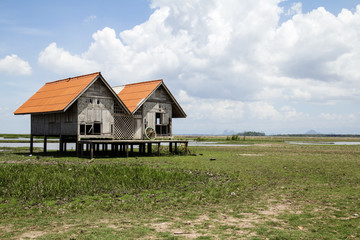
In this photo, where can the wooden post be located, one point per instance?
(81, 150)
(140, 148)
(31, 144)
(77, 149)
(127, 150)
(45, 143)
(170, 146)
(61, 145)
(175, 147)
(186, 148)
(91, 150)
(149, 148)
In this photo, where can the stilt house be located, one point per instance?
(152, 106)
(86, 107)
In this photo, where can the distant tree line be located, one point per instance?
(251, 133)
(236, 137)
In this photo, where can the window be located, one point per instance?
(161, 124)
(97, 128)
(158, 118)
(82, 129)
(90, 129)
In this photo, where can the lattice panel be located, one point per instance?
(124, 127)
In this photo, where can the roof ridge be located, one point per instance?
(139, 83)
(70, 78)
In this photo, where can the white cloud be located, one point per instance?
(13, 65)
(231, 56)
(222, 113)
(61, 61)
(296, 8)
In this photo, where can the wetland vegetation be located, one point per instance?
(268, 190)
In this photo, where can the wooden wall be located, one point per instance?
(159, 102)
(96, 105)
(55, 123)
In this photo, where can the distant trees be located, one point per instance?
(236, 137)
(251, 133)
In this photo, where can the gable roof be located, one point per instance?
(134, 95)
(59, 95)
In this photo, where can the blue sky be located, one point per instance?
(271, 66)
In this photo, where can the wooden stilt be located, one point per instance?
(91, 151)
(77, 149)
(149, 148)
(45, 143)
(31, 144)
(82, 149)
(61, 145)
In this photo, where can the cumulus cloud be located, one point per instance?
(61, 61)
(233, 57)
(296, 8)
(13, 65)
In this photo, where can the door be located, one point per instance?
(138, 129)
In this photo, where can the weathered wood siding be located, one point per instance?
(96, 105)
(159, 102)
(56, 124)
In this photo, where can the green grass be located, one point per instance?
(268, 190)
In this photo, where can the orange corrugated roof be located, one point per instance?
(56, 96)
(133, 94)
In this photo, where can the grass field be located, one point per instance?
(268, 190)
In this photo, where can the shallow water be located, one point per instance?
(50, 146)
(11, 139)
(324, 143)
(70, 146)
